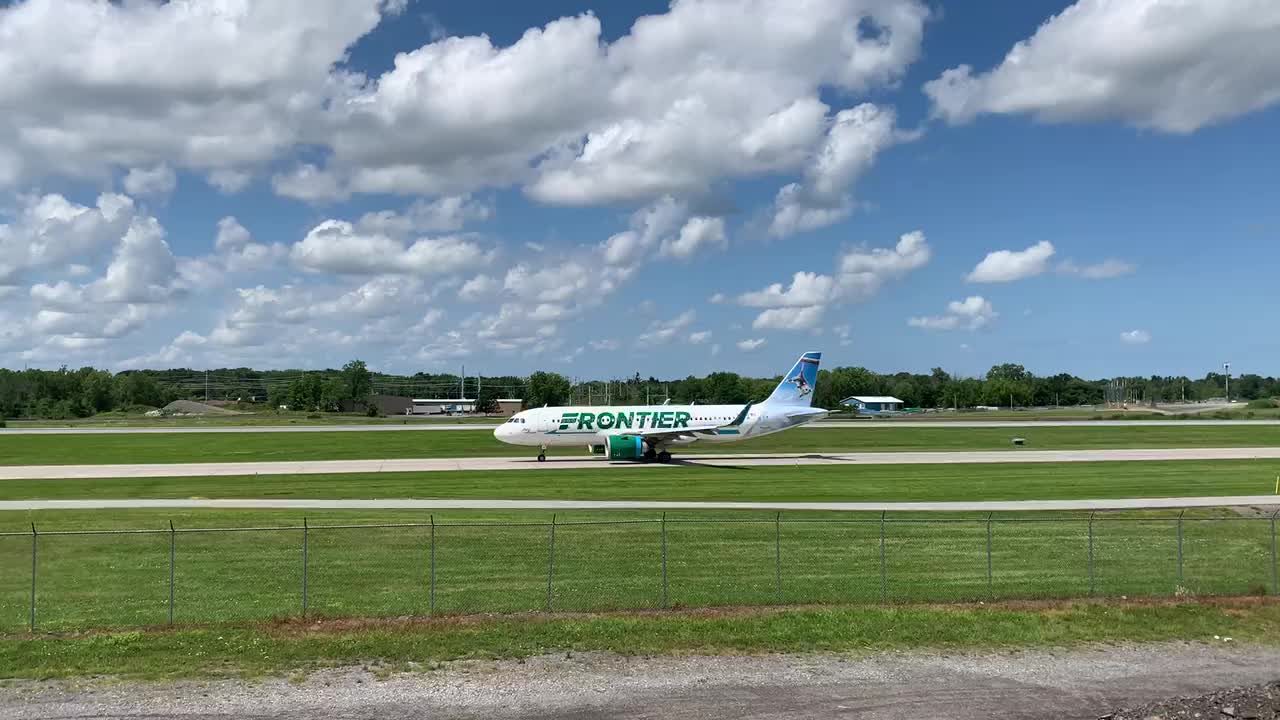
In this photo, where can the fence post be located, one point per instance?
(33, 577)
(431, 582)
(1275, 569)
(173, 551)
(551, 561)
(664, 560)
(305, 531)
(1184, 512)
(777, 557)
(884, 565)
(1091, 584)
(990, 585)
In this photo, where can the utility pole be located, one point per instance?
(206, 386)
(462, 384)
(1226, 369)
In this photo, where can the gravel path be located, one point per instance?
(1042, 684)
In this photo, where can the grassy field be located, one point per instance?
(813, 483)
(469, 563)
(178, 447)
(249, 420)
(282, 649)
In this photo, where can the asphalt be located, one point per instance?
(1080, 683)
(312, 467)
(495, 504)
(420, 427)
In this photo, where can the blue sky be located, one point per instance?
(604, 189)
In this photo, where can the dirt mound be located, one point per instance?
(191, 407)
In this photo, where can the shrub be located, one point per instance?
(371, 411)
(1262, 404)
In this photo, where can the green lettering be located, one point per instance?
(682, 419)
(585, 420)
(643, 416)
(664, 419)
(567, 419)
(604, 420)
(624, 420)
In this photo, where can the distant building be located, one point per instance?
(441, 406)
(386, 405)
(509, 406)
(873, 404)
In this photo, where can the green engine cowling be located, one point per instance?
(624, 447)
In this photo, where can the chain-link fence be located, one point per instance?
(70, 580)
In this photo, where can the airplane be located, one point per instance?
(647, 432)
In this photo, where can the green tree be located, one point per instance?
(547, 389)
(357, 381)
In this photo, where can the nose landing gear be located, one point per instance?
(542, 454)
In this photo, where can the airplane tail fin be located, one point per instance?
(797, 386)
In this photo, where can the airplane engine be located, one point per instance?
(624, 447)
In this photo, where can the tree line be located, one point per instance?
(66, 393)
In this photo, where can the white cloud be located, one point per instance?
(49, 231)
(806, 289)
(229, 182)
(310, 184)
(700, 337)
(143, 269)
(155, 181)
(1174, 66)
(697, 233)
(439, 215)
(604, 345)
(1010, 265)
(972, 313)
(750, 344)
(664, 331)
(717, 299)
(337, 246)
(855, 139)
(92, 86)
(787, 318)
(863, 273)
(479, 288)
(1135, 337)
(1109, 268)
(235, 250)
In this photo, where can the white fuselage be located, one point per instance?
(589, 425)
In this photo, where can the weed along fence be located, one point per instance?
(56, 581)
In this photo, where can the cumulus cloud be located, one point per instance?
(155, 181)
(972, 313)
(1135, 337)
(338, 246)
(664, 331)
(1169, 66)
(700, 337)
(50, 230)
(235, 250)
(855, 139)
(697, 233)
(751, 344)
(478, 288)
(1009, 265)
(440, 215)
(228, 181)
(861, 274)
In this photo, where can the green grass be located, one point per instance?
(603, 562)
(724, 481)
(278, 650)
(113, 419)
(178, 447)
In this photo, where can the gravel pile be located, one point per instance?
(1256, 702)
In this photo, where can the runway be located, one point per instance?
(656, 505)
(46, 472)
(425, 427)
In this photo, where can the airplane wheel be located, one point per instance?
(542, 458)
(664, 457)
(650, 455)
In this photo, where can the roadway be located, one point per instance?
(656, 505)
(424, 427)
(313, 467)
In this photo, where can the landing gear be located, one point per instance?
(542, 454)
(664, 457)
(650, 455)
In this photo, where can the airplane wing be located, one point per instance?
(693, 430)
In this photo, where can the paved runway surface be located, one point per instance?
(954, 686)
(462, 426)
(42, 472)
(476, 504)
